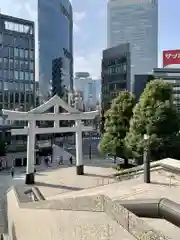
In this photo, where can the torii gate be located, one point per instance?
(37, 114)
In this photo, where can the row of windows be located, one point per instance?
(14, 86)
(12, 52)
(18, 41)
(16, 75)
(23, 28)
(116, 70)
(9, 63)
(24, 53)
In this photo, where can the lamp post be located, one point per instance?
(146, 160)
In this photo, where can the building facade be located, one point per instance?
(135, 22)
(55, 32)
(140, 82)
(17, 65)
(87, 86)
(171, 75)
(115, 75)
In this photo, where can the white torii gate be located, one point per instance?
(37, 114)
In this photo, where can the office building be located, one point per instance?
(87, 86)
(17, 68)
(139, 84)
(55, 32)
(172, 75)
(115, 74)
(135, 22)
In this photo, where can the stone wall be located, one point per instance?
(98, 203)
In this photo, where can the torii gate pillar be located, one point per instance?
(79, 155)
(30, 153)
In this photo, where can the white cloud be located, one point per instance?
(89, 63)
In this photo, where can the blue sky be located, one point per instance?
(90, 28)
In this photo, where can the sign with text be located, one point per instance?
(171, 57)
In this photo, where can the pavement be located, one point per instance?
(63, 183)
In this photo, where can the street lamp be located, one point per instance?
(146, 160)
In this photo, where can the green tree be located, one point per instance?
(156, 116)
(117, 125)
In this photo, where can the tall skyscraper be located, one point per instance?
(135, 22)
(17, 67)
(55, 32)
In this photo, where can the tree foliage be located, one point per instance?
(156, 116)
(117, 125)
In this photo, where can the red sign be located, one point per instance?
(171, 57)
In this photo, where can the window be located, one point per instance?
(5, 63)
(11, 63)
(32, 55)
(32, 76)
(31, 65)
(11, 74)
(21, 75)
(11, 52)
(22, 53)
(21, 63)
(16, 64)
(16, 52)
(1, 73)
(26, 54)
(1, 38)
(5, 74)
(26, 76)
(26, 64)
(16, 73)
(21, 87)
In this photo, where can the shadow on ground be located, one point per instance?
(43, 184)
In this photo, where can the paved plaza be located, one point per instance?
(63, 183)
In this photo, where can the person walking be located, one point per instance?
(71, 160)
(12, 171)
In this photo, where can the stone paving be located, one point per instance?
(65, 179)
(64, 183)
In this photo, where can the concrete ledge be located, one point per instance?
(134, 225)
(92, 204)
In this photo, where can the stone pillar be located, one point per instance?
(30, 153)
(79, 154)
(56, 111)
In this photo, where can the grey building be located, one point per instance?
(17, 67)
(55, 26)
(172, 75)
(136, 22)
(115, 75)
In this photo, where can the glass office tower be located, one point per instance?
(17, 67)
(55, 30)
(135, 22)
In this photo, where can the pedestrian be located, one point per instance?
(34, 170)
(12, 171)
(71, 160)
